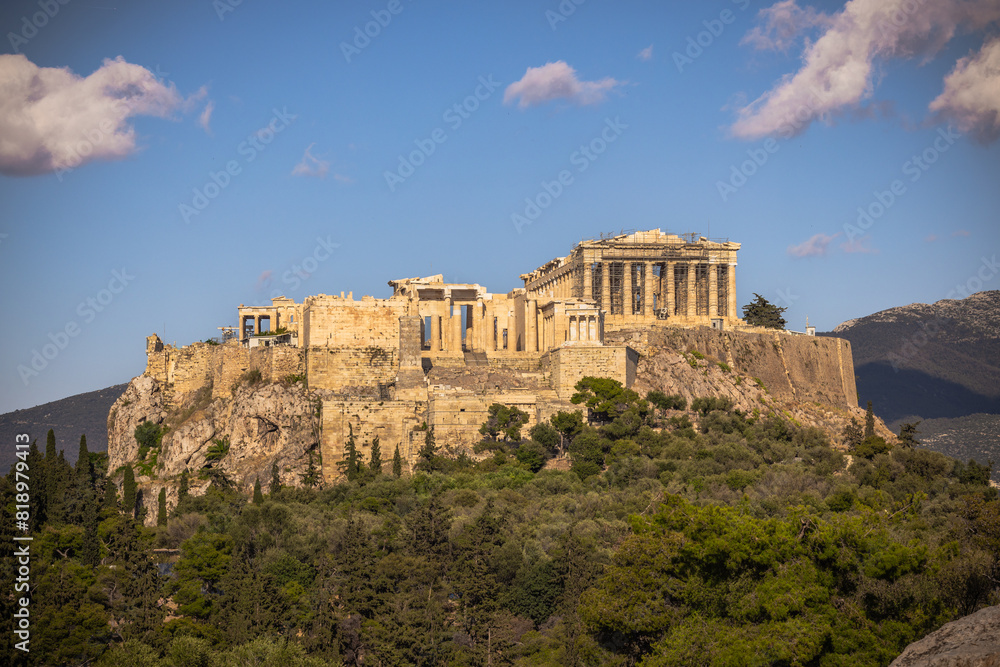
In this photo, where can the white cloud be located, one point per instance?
(554, 81)
(310, 165)
(971, 94)
(813, 247)
(646, 53)
(206, 116)
(52, 119)
(783, 22)
(837, 70)
(859, 245)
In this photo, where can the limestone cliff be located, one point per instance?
(972, 641)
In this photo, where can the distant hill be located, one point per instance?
(68, 418)
(939, 363)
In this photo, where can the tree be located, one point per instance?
(182, 491)
(852, 434)
(311, 476)
(84, 466)
(128, 491)
(110, 495)
(869, 422)
(607, 399)
(397, 463)
(428, 453)
(275, 479)
(350, 463)
(258, 497)
(762, 313)
(504, 421)
(161, 508)
(375, 463)
(50, 446)
(908, 434)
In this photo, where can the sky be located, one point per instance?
(162, 163)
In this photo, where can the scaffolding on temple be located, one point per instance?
(701, 289)
(723, 291)
(680, 289)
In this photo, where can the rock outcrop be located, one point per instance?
(972, 641)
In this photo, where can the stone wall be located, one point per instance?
(456, 414)
(348, 369)
(791, 367)
(392, 421)
(345, 323)
(571, 363)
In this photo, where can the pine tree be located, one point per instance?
(161, 508)
(397, 463)
(258, 497)
(350, 464)
(375, 463)
(275, 480)
(428, 453)
(869, 422)
(128, 492)
(762, 313)
(84, 466)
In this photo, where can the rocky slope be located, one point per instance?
(929, 361)
(972, 641)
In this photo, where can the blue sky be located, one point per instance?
(162, 163)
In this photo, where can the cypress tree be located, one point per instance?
(869, 422)
(128, 492)
(275, 480)
(376, 458)
(110, 495)
(84, 467)
(397, 463)
(50, 446)
(182, 490)
(352, 454)
(90, 551)
(428, 453)
(161, 508)
(258, 497)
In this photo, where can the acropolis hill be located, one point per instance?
(295, 377)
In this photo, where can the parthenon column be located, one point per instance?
(531, 344)
(606, 286)
(456, 327)
(668, 287)
(627, 296)
(436, 331)
(731, 287)
(588, 280)
(713, 290)
(647, 291)
(692, 297)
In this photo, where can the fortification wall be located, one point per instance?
(791, 367)
(571, 363)
(392, 421)
(457, 414)
(274, 363)
(346, 369)
(344, 323)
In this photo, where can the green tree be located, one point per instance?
(375, 463)
(183, 489)
(161, 508)
(275, 479)
(50, 446)
(311, 476)
(149, 436)
(84, 466)
(762, 313)
(428, 454)
(853, 435)
(607, 399)
(869, 422)
(128, 491)
(504, 422)
(908, 434)
(397, 463)
(351, 465)
(258, 497)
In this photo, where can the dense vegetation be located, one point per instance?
(695, 537)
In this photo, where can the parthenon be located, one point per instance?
(645, 278)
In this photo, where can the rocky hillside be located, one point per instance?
(82, 414)
(929, 361)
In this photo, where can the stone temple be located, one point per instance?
(440, 353)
